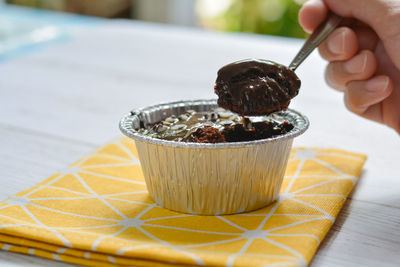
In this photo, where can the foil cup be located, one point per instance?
(210, 179)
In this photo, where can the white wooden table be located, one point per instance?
(63, 101)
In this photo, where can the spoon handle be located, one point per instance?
(323, 30)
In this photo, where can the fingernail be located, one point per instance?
(356, 64)
(377, 84)
(336, 42)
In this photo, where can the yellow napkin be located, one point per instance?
(97, 212)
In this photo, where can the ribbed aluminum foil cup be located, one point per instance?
(210, 179)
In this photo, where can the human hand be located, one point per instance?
(363, 54)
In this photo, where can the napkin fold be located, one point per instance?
(97, 212)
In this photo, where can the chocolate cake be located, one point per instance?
(216, 126)
(255, 87)
(206, 134)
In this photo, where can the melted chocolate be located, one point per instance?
(256, 87)
(216, 126)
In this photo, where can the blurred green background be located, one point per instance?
(275, 17)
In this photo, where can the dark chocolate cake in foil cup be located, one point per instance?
(210, 178)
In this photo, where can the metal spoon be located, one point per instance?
(320, 34)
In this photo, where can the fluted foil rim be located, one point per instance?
(299, 121)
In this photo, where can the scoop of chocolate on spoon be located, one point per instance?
(255, 87)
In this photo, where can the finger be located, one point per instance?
(361, 67)
(381, 15)
(367, 37)
(391, 109)
(361, 96)
(377, 113)
(342, 44)
(311, 14)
